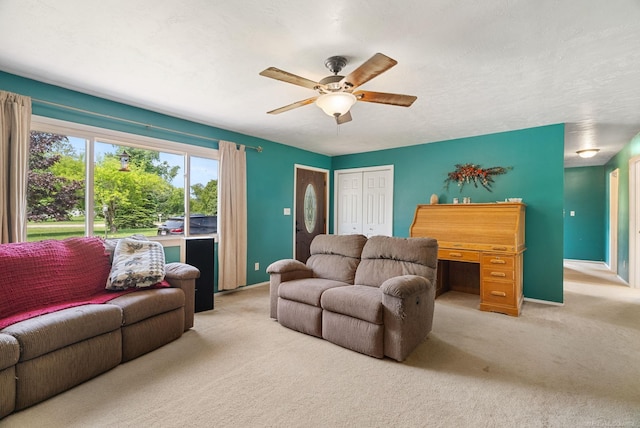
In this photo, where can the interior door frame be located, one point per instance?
(614, 177)
(336, 190)
(634, 223)
(296, 167)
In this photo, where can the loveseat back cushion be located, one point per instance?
(47, 274)
(336, 257)
(385, 257)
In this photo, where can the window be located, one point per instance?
(78, 186)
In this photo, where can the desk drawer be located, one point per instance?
(491, 273)
(502, 293)
(498, 261)
(459, 255)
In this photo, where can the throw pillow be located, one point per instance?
(136, 263)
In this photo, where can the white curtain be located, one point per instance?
(232, 248)
(15, 129)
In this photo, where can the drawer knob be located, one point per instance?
(455, 254)
(498, 261)
(500, 274)
(500, 248)
(499, 293)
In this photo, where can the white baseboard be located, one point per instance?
(544, 302)
(587, 261)
(243, 288)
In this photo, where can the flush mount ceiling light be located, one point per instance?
(587, 153)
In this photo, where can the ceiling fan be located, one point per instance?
(336, 93)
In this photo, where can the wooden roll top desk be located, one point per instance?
(480, 248)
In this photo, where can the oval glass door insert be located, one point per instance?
(310, 208)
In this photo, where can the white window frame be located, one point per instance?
(102, 135)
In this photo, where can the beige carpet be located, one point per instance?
(576, 365)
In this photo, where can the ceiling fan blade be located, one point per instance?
(385, 98)
(373, 67)
(292, 106)
(284, 76)
(343, 118)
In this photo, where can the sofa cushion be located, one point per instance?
(136, 263)
(385, 257)
(41, 277)
(307, 290)
(357, 301)
(144, 304)
(9, 351)
(336, 256)
(47, 333)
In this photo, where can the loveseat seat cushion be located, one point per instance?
(357, 301)
(308, 290)
(148, 303)
(49, 332)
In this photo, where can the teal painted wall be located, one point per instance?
(621, 161)
(584, 233)
(270, 174)
(536, 156)
(171, 254)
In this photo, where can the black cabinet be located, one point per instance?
(200, 253)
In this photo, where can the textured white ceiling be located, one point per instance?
(477, 67)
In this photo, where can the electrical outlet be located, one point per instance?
(572, 213)
(257, 266)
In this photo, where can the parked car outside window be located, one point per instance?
(199, 225)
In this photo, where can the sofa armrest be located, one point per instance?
(405, 286)
(180, 271)
(184, 276)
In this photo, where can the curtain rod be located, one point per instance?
(133, 122)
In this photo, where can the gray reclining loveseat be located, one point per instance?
(374, 296)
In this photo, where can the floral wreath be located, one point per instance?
(471, 173)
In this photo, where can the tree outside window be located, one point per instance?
(125, 203)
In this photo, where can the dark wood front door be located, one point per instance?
(311, 209)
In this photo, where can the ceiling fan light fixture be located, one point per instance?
(587, 153)
(336, 103)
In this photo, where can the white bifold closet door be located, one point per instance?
(364, 201)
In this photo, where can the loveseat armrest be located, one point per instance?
(405, 286)
(181, 275)
(290, 266)
(408, 303)
(283, 271)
